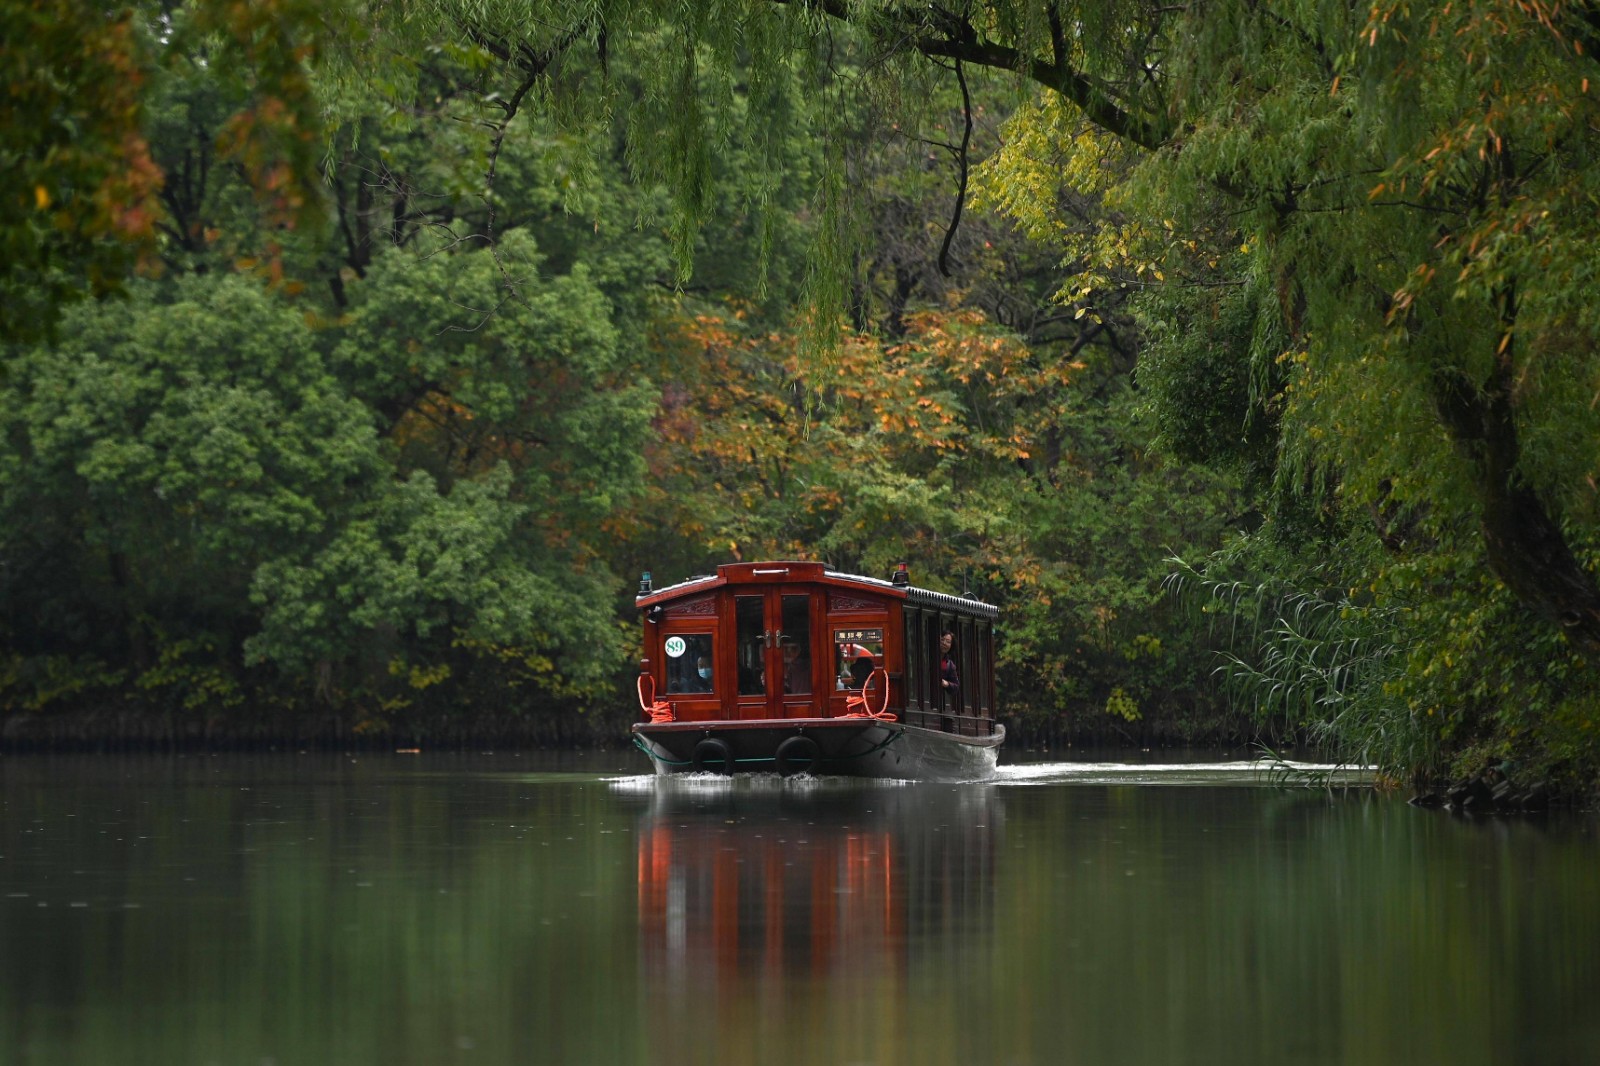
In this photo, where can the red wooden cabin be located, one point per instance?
(763, 652)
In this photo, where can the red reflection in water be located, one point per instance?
(718, 899)
(762, 910)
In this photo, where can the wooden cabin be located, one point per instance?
(780, 641)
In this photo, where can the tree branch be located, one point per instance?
(961, 162)
(958, 40)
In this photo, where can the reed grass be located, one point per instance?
(1315, 667)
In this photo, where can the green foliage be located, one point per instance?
(1360, 238)
(399, 495)
(76, 178)
(985, 465)
(227, 466)
(1207, 403)
(1317, 667)
(85, 198)
(189, 674)
(387, 434)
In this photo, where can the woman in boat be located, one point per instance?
(949, 678)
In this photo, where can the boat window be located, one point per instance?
(931, 693)
(985, 666)
(749, 633)
(796, 643)
(967, 656)
(913, 665)
(856, 652)
(689, 663)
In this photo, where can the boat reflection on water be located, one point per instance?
(761, 886)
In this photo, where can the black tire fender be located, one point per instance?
(711, 756)
(797, 754)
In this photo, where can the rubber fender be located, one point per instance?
(797, 754)
(712, 756)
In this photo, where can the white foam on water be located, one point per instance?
(636, 785)
(710, 784)
(1263, 772)
(1241, 772)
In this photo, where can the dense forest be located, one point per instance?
(358, 358)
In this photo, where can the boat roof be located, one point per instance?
(794, 571)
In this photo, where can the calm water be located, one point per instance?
(501, 909)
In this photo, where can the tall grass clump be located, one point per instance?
(1315, 668)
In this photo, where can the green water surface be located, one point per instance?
(311, 909)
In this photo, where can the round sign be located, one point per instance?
(676, 646)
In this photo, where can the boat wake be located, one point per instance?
(720, 784)
(1242, 772)
(1263, 772)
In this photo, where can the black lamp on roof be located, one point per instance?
(644, 584)
(902, 575)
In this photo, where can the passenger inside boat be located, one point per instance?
(796, 668)
(689, 663)
(858, 652)
(701, 681)
(949, 676)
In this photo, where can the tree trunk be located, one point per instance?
(1524, 544)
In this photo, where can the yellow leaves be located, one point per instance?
(1046, 147)
(1120, 704)
(421, 678)
(41, 197)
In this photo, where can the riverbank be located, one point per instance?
(112, 729)
(1502, 786)
(136, 729)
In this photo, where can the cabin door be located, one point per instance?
(775, 660)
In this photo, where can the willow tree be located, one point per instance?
(1365, 232)
(1406, 192)
(1412, 188)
